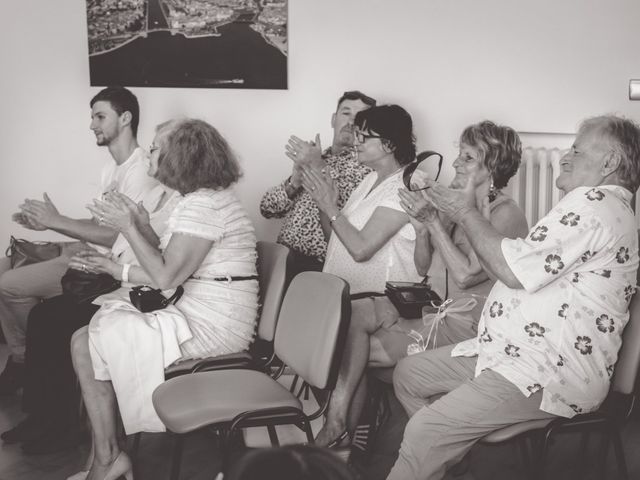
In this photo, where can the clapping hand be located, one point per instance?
(38, 214)
(116, 211)
(303, 154)
(453, 203)
(321, 188)
(92, 261)
(419, 208)
(25, 221)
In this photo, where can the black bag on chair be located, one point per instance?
(147, 299)
(86, 286)
(24, 252)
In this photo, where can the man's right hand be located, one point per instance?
(26, 221)
(42, 212)
(305, 153)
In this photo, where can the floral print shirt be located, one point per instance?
(562, 332)
(301, 230)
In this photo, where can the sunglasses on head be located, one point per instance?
(414, 179)
(358, 95)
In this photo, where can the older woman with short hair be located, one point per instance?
(209, 249)
(378, 337)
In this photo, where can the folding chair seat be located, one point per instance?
(312, 328)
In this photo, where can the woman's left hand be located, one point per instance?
(113, 212)
(453, 203)
(321, 188)
(420, 210)
(92, 261)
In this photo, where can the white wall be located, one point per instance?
(534, 65)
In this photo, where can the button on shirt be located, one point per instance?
(302, 230)
(562, 332)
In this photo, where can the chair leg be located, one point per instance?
(602, 453)
(619, 452)
(306, 426)
(177, 456)
(135, 446)
(273, 436)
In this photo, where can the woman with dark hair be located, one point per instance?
(208, 249)
(371, 240)
(299, 462)
(379, 337)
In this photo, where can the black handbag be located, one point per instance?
(410, 298)
(84, 287)
(24, 252)
(147, 299)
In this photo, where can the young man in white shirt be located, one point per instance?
(114, 121)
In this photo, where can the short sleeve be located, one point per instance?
(198, 215)
(561, 242)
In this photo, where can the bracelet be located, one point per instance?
(125, 272)
(333, 218)
(289, 189)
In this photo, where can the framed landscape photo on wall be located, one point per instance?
(188, 43)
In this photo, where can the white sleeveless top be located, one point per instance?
(394, 261)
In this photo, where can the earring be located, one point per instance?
(493, 192)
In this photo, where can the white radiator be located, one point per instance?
(534, 187)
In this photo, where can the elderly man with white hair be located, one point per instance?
(551, 328)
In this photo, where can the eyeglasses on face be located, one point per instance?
(361, 137)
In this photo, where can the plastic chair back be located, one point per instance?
(312, 328)
(272, 269)
(626, 372)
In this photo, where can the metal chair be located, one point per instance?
(310, 337)
(272, 272)
(534, 437)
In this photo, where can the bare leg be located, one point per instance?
(100, 402)
(354, 362)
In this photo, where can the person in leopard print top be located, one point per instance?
(303, 231)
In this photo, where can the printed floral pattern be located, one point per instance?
(562, 313)
(539, 234)
(570, 219)
(595, 194)
(605, 324)
(587, 255)
(629, 290)
(512, 350)
(560, 362)
(495, 310)
(622, 255)
(583, 344)
(534, 330)
(534, 388)
(484, 336)
(553, 264)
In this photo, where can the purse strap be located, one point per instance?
(173, 298)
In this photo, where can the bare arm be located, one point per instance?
(46, 214)
(167, 269)
(485, 239)
(363, 244)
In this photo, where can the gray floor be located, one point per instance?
(202, 460)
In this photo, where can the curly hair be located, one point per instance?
(194, 155)
(394, 124)
(121, 100)
(302, 462)
(500, 149)
(624, 136)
